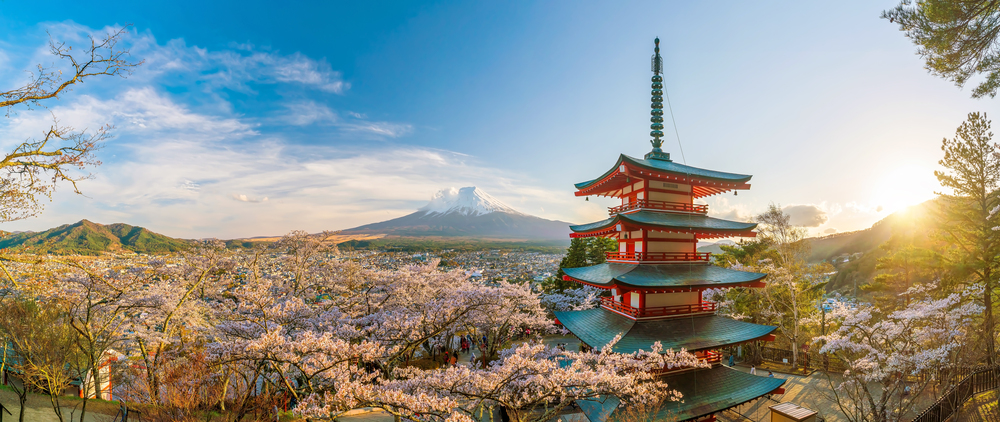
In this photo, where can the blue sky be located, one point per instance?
(253, 118)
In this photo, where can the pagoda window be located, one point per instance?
(672, 299)
(633, 298)
(638, 246)
(622, 246)
(641, 195)
(627, 190)
(637, 185)
(635, 234)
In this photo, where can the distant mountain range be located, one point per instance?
(468, 212)
(89, 238)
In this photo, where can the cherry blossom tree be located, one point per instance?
(892, 358)
(529, 383)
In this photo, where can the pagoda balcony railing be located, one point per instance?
(658, 256)
(659, 205)
(712, 356)
(709, 356)
(657, 311)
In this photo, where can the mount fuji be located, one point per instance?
(468, 212)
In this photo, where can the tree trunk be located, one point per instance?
(22, 398)
(989, 326)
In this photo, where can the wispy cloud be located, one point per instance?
(191, 174)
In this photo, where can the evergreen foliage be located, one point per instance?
(582, 252)
(958, 39)
(968, 218)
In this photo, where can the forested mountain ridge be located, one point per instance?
(856, 253)
(88, 238)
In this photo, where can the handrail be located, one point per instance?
(659, 205)
(977, 382)
(657, 311)
(658, 256)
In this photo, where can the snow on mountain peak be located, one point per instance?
(465, 201)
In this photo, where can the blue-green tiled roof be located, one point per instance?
(597, 327)
(672, 167)
(669, 221)
(662, 275)
(705, 391)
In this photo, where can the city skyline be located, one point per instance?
(266, 119)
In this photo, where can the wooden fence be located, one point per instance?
(975, 381)
(816, 360)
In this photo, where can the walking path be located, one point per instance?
(38, 409)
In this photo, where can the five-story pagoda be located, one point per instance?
(656, 278)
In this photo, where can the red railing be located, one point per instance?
(657, 256)
(708, 356)
(659, 205)
(711, 356)
(657, 311)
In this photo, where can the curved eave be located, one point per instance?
(705, 391)
(668, 222)
(653, 277)
(597, 327)
(704, 182)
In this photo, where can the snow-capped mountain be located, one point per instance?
(465, 201)
(469, 212)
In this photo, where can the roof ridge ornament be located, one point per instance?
(657, 106)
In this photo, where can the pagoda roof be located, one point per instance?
(650, 276)
(667, 221)
(705, 392)
(597, 327)
(659, 168)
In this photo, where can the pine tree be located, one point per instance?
(972, 173)
(582, 252)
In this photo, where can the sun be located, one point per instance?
(902, 186)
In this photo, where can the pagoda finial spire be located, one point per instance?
(657, 106)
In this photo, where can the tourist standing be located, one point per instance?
(753, 370)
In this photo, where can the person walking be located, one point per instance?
(770, 374)
(753, 370)
(454, 361)
(731, 361)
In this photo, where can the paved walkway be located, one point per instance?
(812, 392)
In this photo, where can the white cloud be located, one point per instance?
(806, 215)
(244, 198)
(303, 113)
(192, 175)
(235, 68)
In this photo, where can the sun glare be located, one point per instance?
(903, 186)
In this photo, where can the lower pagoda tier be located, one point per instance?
(706, 392)
(597, 327)
(640, 276)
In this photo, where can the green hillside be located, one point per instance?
(89, 238)
(854, 254)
